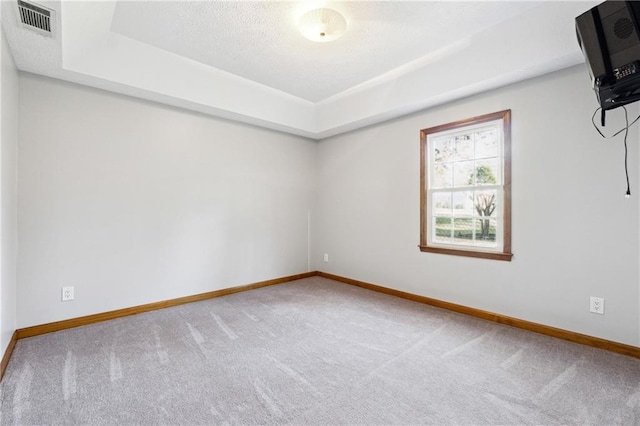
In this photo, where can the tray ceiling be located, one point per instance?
(247, 61)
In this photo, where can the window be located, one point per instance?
(465, 198)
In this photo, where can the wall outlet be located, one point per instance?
(67, 293)
(596, 305)
(326, 257)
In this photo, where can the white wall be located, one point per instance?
(574, 233)
(8, 200)
(133, 202)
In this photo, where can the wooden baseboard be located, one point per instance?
(559, 333)
(105, 316)
(583, 339)
(8, 353)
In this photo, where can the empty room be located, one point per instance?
(312, 212)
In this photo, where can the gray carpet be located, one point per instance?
(313, 352)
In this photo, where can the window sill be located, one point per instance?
(468, 253)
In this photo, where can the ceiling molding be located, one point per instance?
(87, 51)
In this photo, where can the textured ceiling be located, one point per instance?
(246, 60)
(261, 42)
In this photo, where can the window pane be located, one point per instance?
(485, 203)
(442, 204)
(487, 143)
(485, 232)
(443, 229)
(487, 172)
(463, 173)
(463, 147)
(442, 176)
(442, 150)
(463, 203)
(463, 230)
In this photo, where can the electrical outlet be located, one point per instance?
(596, 305)
(67, 294)
(326, 257)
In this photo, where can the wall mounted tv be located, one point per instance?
(608, 35)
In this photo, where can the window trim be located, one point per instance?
(505, 252)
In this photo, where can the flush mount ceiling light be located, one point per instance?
(322, 25)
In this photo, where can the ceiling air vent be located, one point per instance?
(35, 17)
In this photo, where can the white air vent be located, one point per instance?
(36, 17)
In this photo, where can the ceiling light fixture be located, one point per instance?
(322, 25)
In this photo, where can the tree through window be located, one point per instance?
(465, 187)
